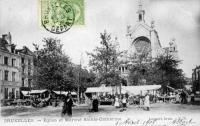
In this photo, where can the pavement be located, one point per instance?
(172, 111)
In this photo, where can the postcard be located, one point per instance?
(100, 62)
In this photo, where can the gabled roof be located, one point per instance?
(147, 27)
(25, 50)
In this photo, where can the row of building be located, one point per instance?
(16, 68)
(196, 79)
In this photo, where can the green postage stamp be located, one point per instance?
(58, 16)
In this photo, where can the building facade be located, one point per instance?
(27, 67)
(11, 68)
(144, 40)
(196, 79)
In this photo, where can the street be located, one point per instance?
(107, 110)
(160, 114)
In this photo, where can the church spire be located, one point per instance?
(140, 12)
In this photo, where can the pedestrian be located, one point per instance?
(147, 102)
(141, 104)
(177, 98)
(116, 102)
(69, 104)
(88, 101)
(124, 101)
(95, 104)
(64, 108)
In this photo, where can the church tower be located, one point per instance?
(140, 12)
(142, 37)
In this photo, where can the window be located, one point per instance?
(29, 62)
(13, 93)
(29, 83)
(6, 93)
(29, 71)
(0, 74)
(13, 62)
(140, 17)
(13, 76)
(22, 60)
(6, 60)
(23, 70)
(6, 75)
(17, 94)
(22, 82)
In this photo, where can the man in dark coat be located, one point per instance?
(95, 105)
(69, 104)
(64, 109)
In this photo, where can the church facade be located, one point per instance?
(144, 40)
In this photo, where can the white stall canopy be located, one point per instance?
(133, 90)
(64, 92)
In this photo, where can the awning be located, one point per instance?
(135, 90)
(26, 93)
(37, 91)
(64, 92)
(98, 89)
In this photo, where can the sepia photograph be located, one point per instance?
(100, 62)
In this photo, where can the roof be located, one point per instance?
(188, 87)
(136, 90)
(98, 89)
(64, 92)
(26, 93)
(38, 91)
(25, 50)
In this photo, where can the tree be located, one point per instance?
(105, 60)
(161, 70)
(140, 68)
(51, 66)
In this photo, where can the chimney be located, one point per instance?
(7, 37)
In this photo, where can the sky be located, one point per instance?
(179, 19)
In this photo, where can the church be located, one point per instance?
(143, 39)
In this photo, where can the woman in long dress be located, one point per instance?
(116, 102)
(88, 101)
(147, 102)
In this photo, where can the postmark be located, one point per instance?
(58, 16)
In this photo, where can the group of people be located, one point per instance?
(93, 103)
(67, 105)
(122, 102)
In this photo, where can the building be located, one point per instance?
(144, 40)
(172, 49)
(9, 69)
(196, 80)
(13, 74)
(27, 67)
